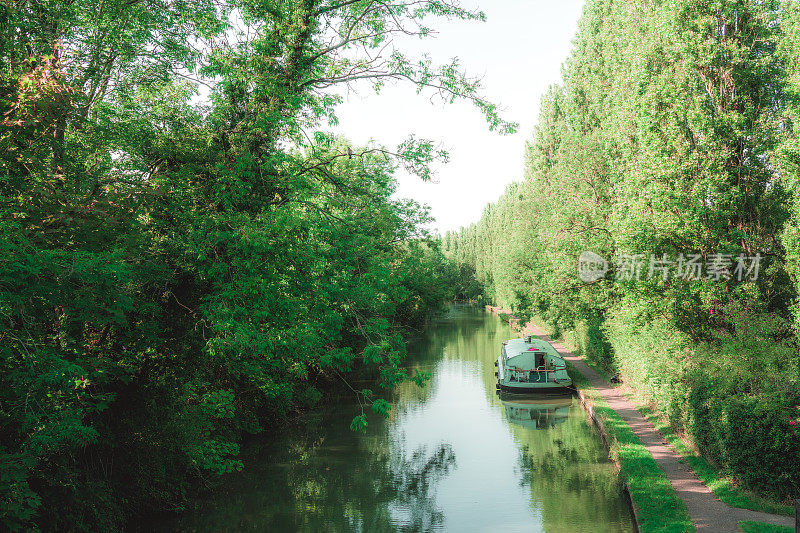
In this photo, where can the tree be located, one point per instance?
(177, 274)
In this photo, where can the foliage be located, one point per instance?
(723, 486)
(674, 132)
(179, 270)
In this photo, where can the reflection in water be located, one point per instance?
(536, 413)
(567, 469)
(452, 457)
(416, 510)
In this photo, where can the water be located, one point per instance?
(452, 457)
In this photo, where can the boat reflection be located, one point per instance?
(536, 413)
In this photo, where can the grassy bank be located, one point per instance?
(658, 508)
(723, 486)
(760, 527)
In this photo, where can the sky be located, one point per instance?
(518, 53)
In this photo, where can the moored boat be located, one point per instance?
(531, 365)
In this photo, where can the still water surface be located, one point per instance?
(453, 457)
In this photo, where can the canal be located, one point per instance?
(452, 457)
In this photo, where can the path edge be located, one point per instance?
(597, 422)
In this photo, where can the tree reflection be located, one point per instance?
(415, 502)
(467, 333)
(338, 482)
(571, 478)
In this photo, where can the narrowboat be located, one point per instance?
(531, 365)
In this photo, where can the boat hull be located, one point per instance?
(535, 388)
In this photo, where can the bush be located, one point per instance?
(753, 439)
(734, 418)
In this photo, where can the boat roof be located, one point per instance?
(515, 347)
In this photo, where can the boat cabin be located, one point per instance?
(530, 363)
(529, 359)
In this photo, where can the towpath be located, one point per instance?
(708, 513)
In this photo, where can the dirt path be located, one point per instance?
(707, 512)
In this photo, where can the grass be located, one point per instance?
(658, 508)
(760, 527)
(723, 487)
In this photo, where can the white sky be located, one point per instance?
(518, 53)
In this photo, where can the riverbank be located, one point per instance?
(652, 497)
(724, 486)
(426, 467)
(706, 511)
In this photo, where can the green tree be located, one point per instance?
(176, 274)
